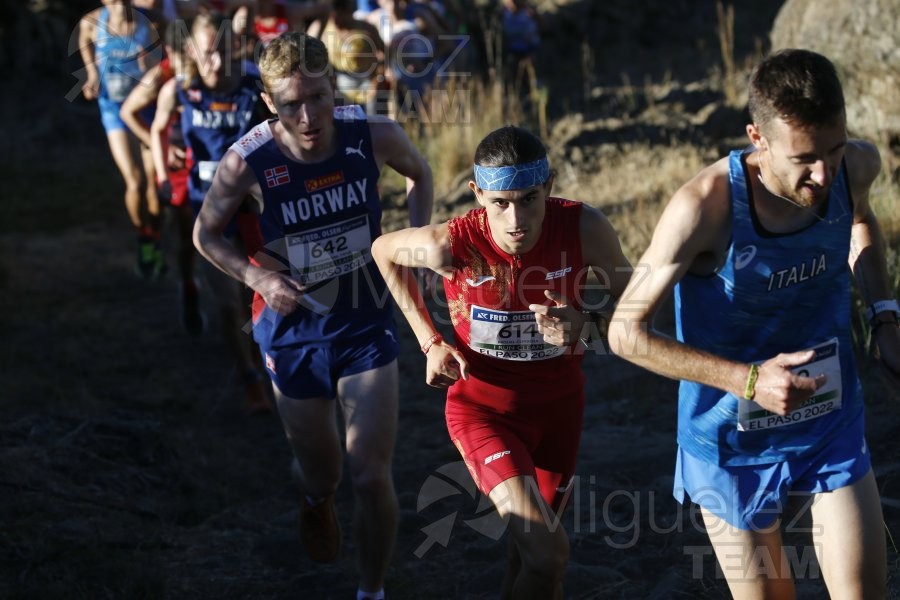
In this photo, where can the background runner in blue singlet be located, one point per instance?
(118, 44)
(219, 105)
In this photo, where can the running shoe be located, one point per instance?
(159, 262)
(146, 258)
(320, 530)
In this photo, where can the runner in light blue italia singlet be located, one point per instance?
(120, 64)
(119, 57)
(740, 313)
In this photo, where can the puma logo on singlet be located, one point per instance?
(480, 280)
(358, 150)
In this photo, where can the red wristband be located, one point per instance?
(434, 339)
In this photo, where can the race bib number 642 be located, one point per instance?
(330, 251)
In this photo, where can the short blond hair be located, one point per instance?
(292, 52)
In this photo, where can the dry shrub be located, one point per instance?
(449, 146)
(453, 119)
(883, 199)
(631, 184)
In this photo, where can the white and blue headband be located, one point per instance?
(513, 177)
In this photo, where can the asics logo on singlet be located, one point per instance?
(481, 279)
(358, 150)
(558, 274)
(744, 257)
(495, 456)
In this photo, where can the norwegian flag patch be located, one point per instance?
(277, 176)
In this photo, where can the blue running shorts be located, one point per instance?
(312, 371)
(109, 114)
(752, 497)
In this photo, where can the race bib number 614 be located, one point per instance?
(509, 335)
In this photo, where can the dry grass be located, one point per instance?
(448, 144)
(631, 184)
(884, 199)
(725, 33)
(453, 119)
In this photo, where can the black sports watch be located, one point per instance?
(877, 309)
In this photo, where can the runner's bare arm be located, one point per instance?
(424, 247)
(867, 259)
(166, 105)
(143, 95)
(233, 182)
(687, 233)
(603, 252)
(394, 148)
(87, 29)
(867, 256)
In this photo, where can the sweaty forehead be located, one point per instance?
(798, 139)
(782, 126)
(298, 86)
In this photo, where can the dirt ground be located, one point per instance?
(128, 469)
